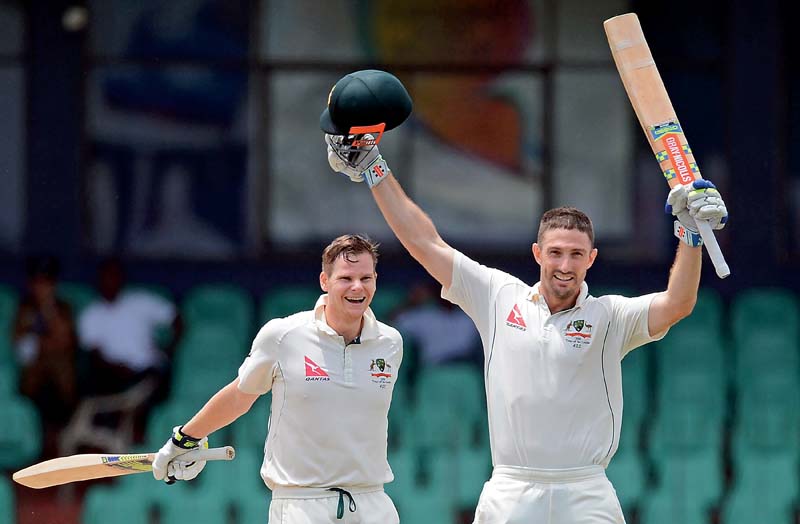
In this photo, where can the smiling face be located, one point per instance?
(565, 255)
(350, 284)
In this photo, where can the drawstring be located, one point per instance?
(340, 508)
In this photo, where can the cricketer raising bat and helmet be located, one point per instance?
(656, 115)
(75, 468)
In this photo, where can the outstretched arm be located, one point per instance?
(415, 230)
(412, 226)
(698, 200)
(677, 302)
(225, 406)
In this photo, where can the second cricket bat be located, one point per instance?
(652, 105)
(74, 468)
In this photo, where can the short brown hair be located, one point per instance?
(566, 218)
(345, 246)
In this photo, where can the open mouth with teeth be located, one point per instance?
(563, 278)
(355, 300)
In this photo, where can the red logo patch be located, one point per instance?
(515, 319)
(313, 369)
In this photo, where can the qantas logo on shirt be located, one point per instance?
(314, 373)
(515, 319)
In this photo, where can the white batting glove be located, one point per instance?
(698, 200)
(165, 465)
(358, 163)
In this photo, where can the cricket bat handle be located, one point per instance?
(714, 252)
(223, 453)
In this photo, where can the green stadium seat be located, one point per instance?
(635, 390)
(77, 295)
(238, 482)
(288, 300)
(768, 419)
(764, 310)
(707, 314)
(7, 506)
(20, 442)
(764, 490)
(254, 509)
(762, 352)
(102, 501)
(166, 416)
(627, 473)
(190, 502)
(473, 467)
(450, 407)
(211, 350)
(220, 304)
(599, 291)
(8, 380)
(690, 348)
(386, 301)
(416, 492)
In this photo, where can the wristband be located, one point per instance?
(376, 172)
(184, 441)
(686, 235)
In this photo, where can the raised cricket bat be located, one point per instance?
(657, 117)
(74, 468)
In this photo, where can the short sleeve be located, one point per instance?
(159, 309)
(473, 288)
(258, 369)
(631, 315)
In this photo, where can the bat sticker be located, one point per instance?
(659, 130)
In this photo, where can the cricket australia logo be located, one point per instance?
(380, 371)
(578, 334)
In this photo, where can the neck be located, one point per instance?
(349, 329)
(556, 305)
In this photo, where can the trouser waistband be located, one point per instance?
(550, 475)
(302, 492)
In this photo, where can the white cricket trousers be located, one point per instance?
(364, 505)
(517, 495)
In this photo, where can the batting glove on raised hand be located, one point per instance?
(698, 200)
(359, 162)
(168, 467)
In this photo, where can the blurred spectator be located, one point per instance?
(119, 331)
(45, 345)
(440, 331)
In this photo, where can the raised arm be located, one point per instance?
(701, 200)
(412, 226)
(415, 230)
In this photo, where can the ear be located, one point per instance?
(323, 281)
(592, 256)
(537, 253)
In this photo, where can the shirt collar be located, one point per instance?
(369, 329)
(537, 298)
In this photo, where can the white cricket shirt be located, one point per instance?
(553, 382)
(330, 402)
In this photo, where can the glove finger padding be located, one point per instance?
(180, 470)
(706, 204)
(176, 446)
(351, 160)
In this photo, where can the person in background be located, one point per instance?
(440, 331)
(119, 331)
(46, 348)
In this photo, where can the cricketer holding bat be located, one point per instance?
(552, 351)
(332, 371)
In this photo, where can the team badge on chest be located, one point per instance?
(381, 373)
(578, 334)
